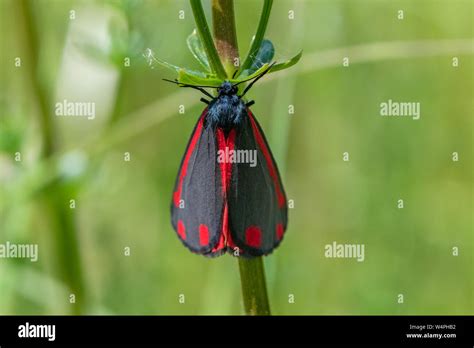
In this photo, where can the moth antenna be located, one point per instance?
(181, 84)
(256, 79)
(172, 81)
(199, 88)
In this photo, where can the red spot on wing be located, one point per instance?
(268, 158)
(279, 231)
(203, 235)
(181, 229)
(253, 236)
(187, 157)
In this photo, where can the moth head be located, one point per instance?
(226, 88)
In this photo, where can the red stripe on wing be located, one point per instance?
(226, 174)
(225, 144)
(268, 158)
(187, 157)
(225, 239)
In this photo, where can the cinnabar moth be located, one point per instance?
(221, 206)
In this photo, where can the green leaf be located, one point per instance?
(263, 56)
(197, 49)
(257, 41)
(191, 78)
(196, 78)
(287, 64)
(195, 74)
(187, 76)
(243, 77)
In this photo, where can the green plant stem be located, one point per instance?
(259, 35)
(254, 288)
(55, 202)
(225, 37)
(31, 50)
(206, 38)
(252, 273)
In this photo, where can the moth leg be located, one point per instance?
(205, 101)
(250, 103)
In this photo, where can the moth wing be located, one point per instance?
(198, 198)
(258, 213)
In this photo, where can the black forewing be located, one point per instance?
(258, 213)
(198, 199)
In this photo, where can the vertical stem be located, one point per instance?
(225, 37)
(205, 35)
(55, 203)
(252, 273)
(257, 40)
(31, 50)
(254, 288)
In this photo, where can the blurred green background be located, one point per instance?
(122, 204)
